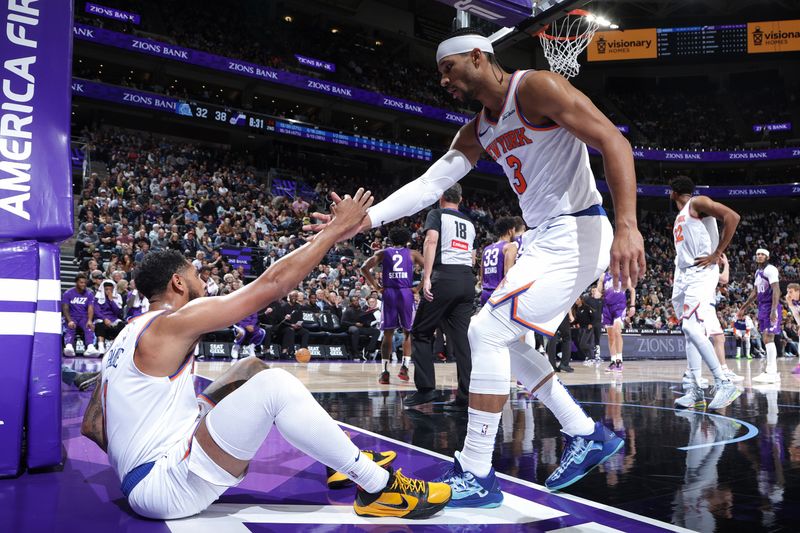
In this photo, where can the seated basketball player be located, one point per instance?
(173, 461)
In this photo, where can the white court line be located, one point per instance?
(577, 499)
(230, 516)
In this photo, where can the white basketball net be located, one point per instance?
(565, 39)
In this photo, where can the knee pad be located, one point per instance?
(693, 329)
(529, 366)
(491, 365)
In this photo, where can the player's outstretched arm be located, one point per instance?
(203, 315)
(423, 191)
(545, 95)
(703, 205)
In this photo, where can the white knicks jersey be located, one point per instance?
(694, 237)
(548, 167)
(144, 416)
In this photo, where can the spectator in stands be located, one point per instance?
(107, 314)
(211, 286)
(87, 239)
(359, 322)
(290, 326)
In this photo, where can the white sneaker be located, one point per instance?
(91, 351)
(726, 393)
(101, 347)
(765, 377)
(733, 376)
(235, 351)
(69, 351)
(251, 350)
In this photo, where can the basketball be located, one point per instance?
(302, 355)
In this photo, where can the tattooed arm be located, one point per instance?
(92, 425)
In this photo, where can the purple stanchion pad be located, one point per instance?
(44, 387)
(19, 266)
(35, 169)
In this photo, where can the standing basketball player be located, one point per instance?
(397, 275)
(768, 292)
(536, 125)
(615, 311)
(173, 461)
(698, 248)
(499, 257)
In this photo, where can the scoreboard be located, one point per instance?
(702, 41)
(256, 121)
(728, 40)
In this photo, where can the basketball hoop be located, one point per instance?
(565, 38)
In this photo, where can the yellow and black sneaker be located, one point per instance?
(403, 497)
(337, 480)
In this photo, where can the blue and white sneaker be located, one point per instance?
(581, 454)
(469, 490)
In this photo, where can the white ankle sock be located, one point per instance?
(476, 456)
(567, 411)
(772, 358)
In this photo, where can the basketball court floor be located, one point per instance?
(737, 470)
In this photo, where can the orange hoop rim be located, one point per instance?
(577, 12)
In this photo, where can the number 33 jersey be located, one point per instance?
(547, 166)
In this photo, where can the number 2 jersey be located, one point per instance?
(547, 167)
(397, 268)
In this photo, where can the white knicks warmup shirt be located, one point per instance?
(548, 167)
(694, 237)
(144, 415)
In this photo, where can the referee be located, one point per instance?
(448, 290)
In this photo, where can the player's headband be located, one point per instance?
(463, 43)
(762, 251)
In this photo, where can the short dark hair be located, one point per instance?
(156, 270)
(519, 223)
(453, 194)
(504, 225)
(682, 185)
(80, 277)
(205, 268)
(399, 236)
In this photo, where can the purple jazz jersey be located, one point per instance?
(492, 266)
(398, 268)
(614, 302)
(78, 303)
(398, 309)
(764, 299)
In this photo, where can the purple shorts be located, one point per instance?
(613, 312)
(764, 325)
(398, 309)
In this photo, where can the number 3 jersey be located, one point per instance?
(548, 167)
(398, 268)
